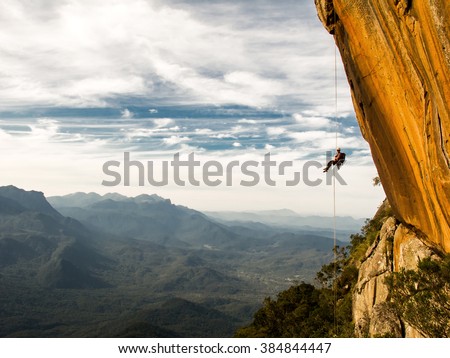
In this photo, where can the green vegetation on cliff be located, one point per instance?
(421, 297)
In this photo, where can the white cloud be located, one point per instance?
(312, 122)
(86, 53)
(173, 140)
(203, 131)
(275, 131)
(126, 114)
(163, 122)
(223, 136)
(131, 134)
(52, 168)
(314, 140)
(45, 129)
(247, 121)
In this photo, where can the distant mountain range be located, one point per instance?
(147, 217)
(290, 219)
(144, 208)
(92, 265)
(82, 200)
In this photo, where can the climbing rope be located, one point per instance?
(334, 179)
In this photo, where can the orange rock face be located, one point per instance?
(396, 54)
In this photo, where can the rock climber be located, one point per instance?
(339, 159)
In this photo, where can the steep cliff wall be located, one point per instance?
(396, 54)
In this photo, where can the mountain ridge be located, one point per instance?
(66, 278)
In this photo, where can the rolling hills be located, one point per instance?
(87, 265)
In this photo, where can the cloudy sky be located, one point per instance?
(83, 81)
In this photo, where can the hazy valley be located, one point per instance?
(91, 265)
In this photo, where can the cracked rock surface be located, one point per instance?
(373, 312)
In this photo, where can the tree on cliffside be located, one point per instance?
(421, 297)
